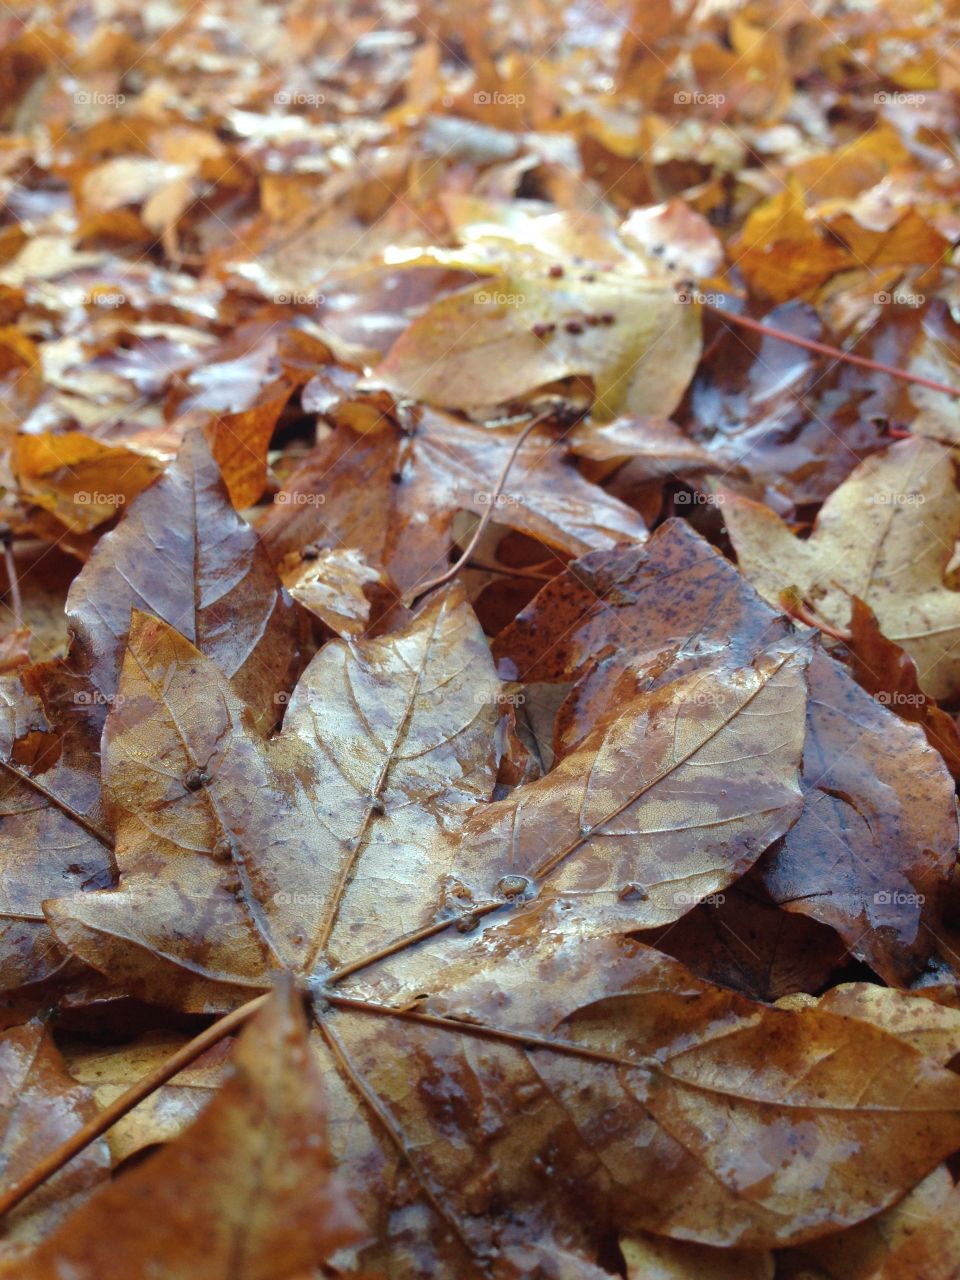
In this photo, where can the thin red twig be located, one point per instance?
(835, 353)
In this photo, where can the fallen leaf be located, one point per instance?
(655, 1258)
(886, 672)
(872, 851)
(391, 496)
(182, 552)
(254, 1168)
(40, 1107)
(883, 536)
(560, 299)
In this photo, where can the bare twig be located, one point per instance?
(835, 353)
(16, 600)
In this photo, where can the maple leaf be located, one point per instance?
(872, 851)
(560, 297)
(883, 536)
(620, 946)
(343, 851)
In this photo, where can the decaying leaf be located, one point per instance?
(108, 1071)
(255, 1166)
(475, 960)
(872, 850)
(884, 536)
(916, 1238)
(40, 1106)
(183, 553)
(657, 1258)
(480, 546)
(672, 797)
(391, 495)
(385, 748)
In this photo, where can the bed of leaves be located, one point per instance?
(480, 640)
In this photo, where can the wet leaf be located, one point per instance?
(871, 853)
(40, 1106)
(391, 495)
(374, 777)
(183, 553)
(558, 300)
(884, 536)
(255, 1167)
(479, 536)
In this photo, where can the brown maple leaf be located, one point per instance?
(875, 845)
(488, 1035)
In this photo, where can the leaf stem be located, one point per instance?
(16, 600)
(117, 1109)
(52, 798)
(835, 353)
(485, 519)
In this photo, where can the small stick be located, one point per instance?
(794, 606)
(455, 568)
(16, 600)
(821, 348)
(505, 571)
(117, 1109)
